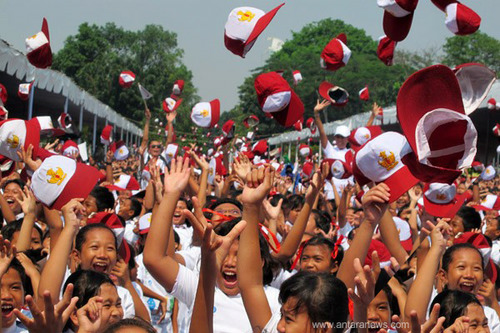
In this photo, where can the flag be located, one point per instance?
(276, 44)
(144, 93)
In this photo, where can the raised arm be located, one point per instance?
(170, 126)
(203, 164)
(319, 124)
(374, 205)
(28, 204)
(420, 291)
(390, 237)
(376, 110)
(53, 273)
(145, 137)
(109, 167)
(161, 266)
(249, 267)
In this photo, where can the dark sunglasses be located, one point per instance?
(156, 146)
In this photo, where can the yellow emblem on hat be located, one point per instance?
(387, 162)
(210, 172)
(204, 113)
(441, 196)
(120, 151)
(245, 16)
(56, 177)
(13, 142)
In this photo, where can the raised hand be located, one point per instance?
(27, 157)
(147, 113)
(53, 318)
(376, 110)
(7, 253)
(320, 106)
(171, 116)
(73, 212)
(375, 202)
(28, 201)
(439, 233)
(176, 179)
(90, 316)
(109, 156)
(242, 166)
(200, 161)
(258, 185)
(50, 146)
(120, 270)
(272, 212)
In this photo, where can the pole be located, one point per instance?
(487, 137)
(94, 134)
(66, 104)
(32, 97)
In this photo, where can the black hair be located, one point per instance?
(226, 200)
(10, 228)
(471, 218)
(453, 304)
(81, 236)
(177, 239)
(448, 254)
(103, 197)
(131, 263)
(319, 240)
(276, 198)
(210, 200)
(271, 265)
(136, 206)
(321, 295)
(233, 193)
(139, 195)
(322, 220)
(19, 182)
(86, 284)
(189, 204)
(16, 265)
(295, 201)
(129, 323)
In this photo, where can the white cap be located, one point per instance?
(343, 131)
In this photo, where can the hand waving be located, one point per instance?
(176, 179)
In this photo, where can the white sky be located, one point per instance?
(200, 28)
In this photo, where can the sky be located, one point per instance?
(200, 29)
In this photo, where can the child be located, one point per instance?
(130, 325)
(320, 254)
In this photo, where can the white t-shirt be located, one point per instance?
(229, 312)
(192, 257)
(152, 303)
(130, 236)
(281, 277)
(17, 327)
(185, 234)
(495, 251)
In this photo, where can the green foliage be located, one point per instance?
(95, 56)
(302, 53)
(478, 47)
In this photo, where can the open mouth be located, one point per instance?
(230, 279)
(7, 310)
(467, 287)
(10, 201)
(100, 267)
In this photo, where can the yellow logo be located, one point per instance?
(170, 155)
(120, 151)
(245, 16)
(440, 196)
(13, 142)
(56, 177)
(204, 113)
(366, 136)
(488, 171)
(387, 162)
(210, 172)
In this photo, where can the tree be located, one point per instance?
(478, 47)
(95, 56)
(302, 52)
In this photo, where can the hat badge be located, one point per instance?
(120, 151)
(204, 113)
(441, 196)
(245, 16)
(13, 142)
(387, 162)
(210, 172)
(56, 177)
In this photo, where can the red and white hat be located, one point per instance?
(297, 77)
(38, 49)
(228, 129)
(260, 147)
(475, 82)
(107, 135)
(69, 148)
(362, 135)
(125, 182)
(336, 54)
(492, 104)
(379, 160)
(170, 105)
(441, 200)
(490, 202)
(217, 141)
(275, 152)
(215, 167)
(17, 133)
(126, 79)
(24, 91)
(277, 99)
(4, 113)
(65, 121)
(380, 115)
(243, 26)
(398, 16)
(496, 130)
(7, 166)
(385, 50)
(251, 121)
(3, 94)
(482, 244)
(145, 223)
(60, 179)
(120, 150)
(432, 116)
(364, 94)
(336, 95)
(177, 88)
(307, 170)
(304, 150)
(311, 125)
(461, 20)
(206, 114)
(171, 151)
(298, 125)
(404, 232)
(477, 166)
(488, 173)
(337, 168)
